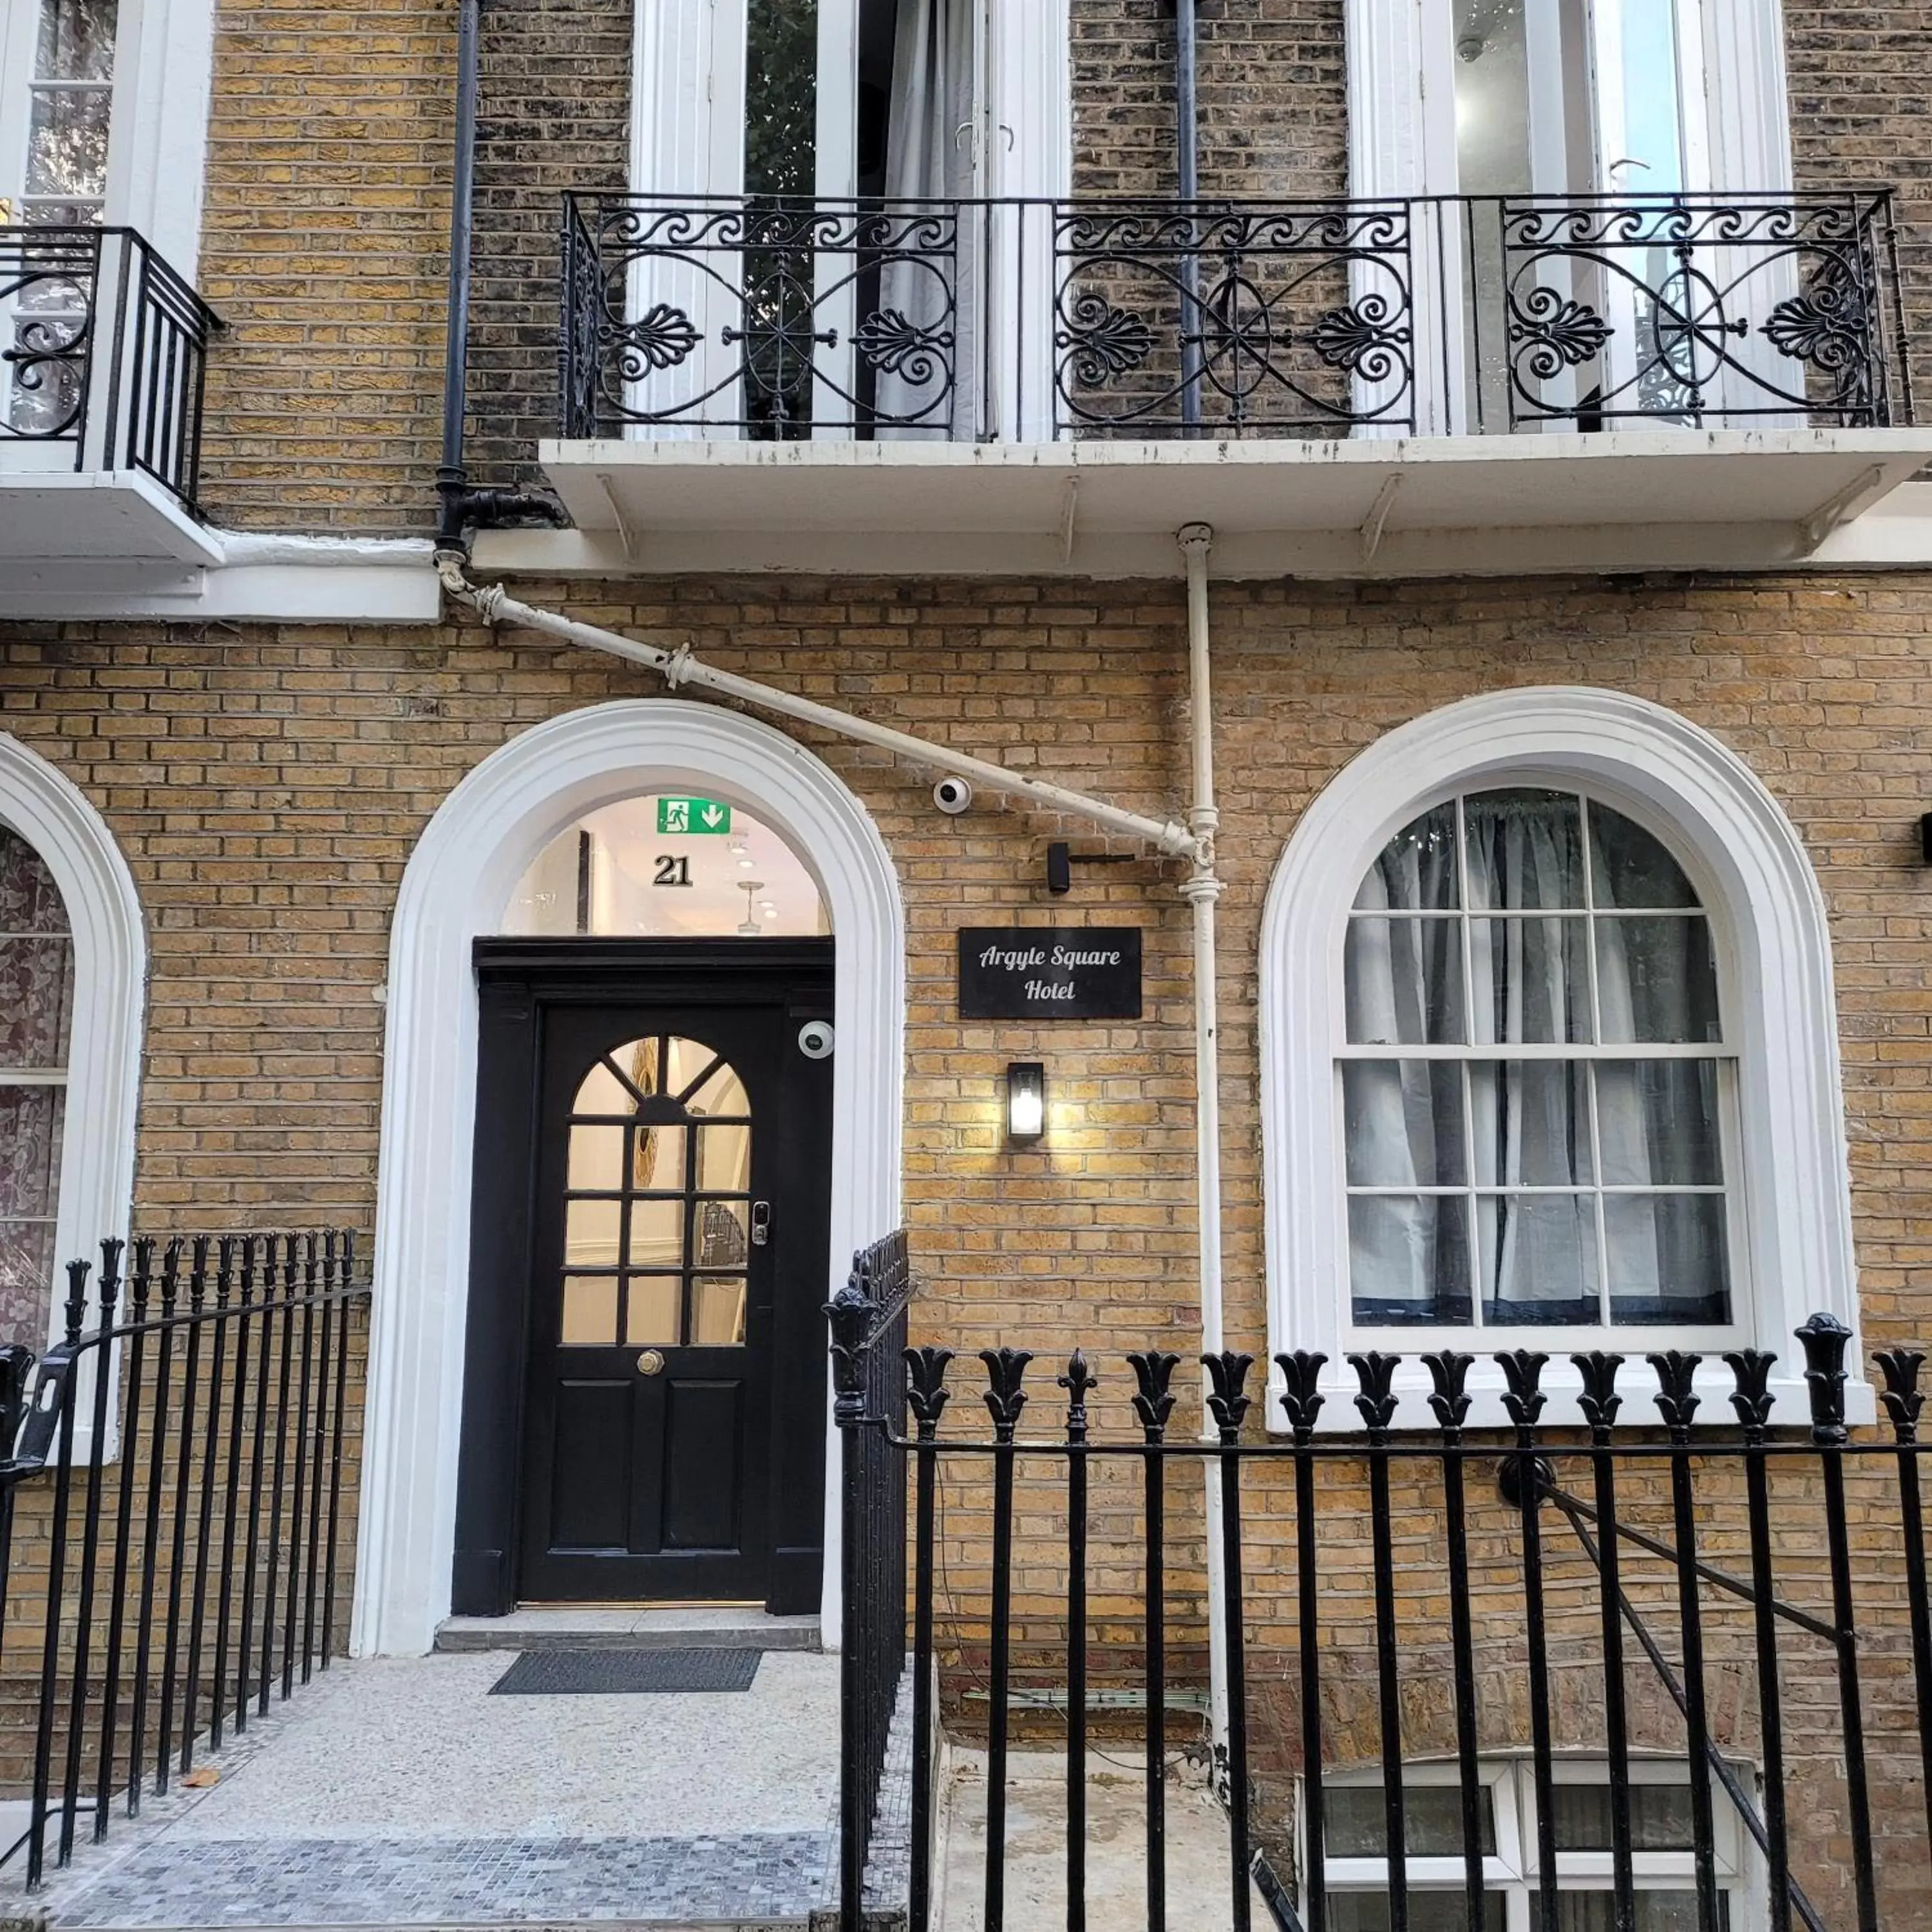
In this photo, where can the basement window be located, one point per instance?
(1355, 1838)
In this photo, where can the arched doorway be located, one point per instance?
(459, 885)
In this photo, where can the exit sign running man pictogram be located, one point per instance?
(693, 815)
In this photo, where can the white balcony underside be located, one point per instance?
(66, 525)
(1640, 499)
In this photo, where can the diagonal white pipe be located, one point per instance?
(680, 667)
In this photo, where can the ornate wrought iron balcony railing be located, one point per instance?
(103, 351)
(1028, 321)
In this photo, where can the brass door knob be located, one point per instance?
(651, 1362)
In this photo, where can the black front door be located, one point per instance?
(659, 1223)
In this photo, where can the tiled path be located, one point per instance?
(400, 1794)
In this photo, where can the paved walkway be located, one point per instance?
(401, 1794)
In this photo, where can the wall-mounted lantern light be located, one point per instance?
(1026, 1101)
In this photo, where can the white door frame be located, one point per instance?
(456, 886)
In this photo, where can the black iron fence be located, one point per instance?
(1026, 321)
(1648, 1676)
(103, 350)
(190, 1431)
(868, 1334)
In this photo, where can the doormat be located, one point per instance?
(608, 1673)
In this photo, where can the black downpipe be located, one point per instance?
(464, 507)
(1188, 182)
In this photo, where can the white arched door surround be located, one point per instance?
(110, 970)
(1768, 917)
(457, 886)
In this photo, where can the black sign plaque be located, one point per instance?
(1049, 973)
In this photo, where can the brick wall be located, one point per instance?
(324, 250)
(268, 785)
(1860, 113)
(1272, 93)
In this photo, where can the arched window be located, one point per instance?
(36, 1032)
(1549, 1056)
(72, 969)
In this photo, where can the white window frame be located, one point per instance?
(687, 138)
(1514, 1869)
(1401, 67)
(110, 962)
(157, 139)
(1793, 1254)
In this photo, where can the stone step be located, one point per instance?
(711, 1627)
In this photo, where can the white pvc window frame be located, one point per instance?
(1513, 1871)
(1791, 1247)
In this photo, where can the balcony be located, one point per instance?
(102, 348)
(1447, 384)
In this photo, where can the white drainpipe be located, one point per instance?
(1194, 842)
(1201, 888)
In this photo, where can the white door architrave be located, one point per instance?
(457, 886)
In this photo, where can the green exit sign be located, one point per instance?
(693, 814)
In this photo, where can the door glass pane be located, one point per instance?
(590, 1231)
(653, 1311)
(723, 1239)
(1491, 97)
(602, 1092)
(657, 1158)
(589, 1310)
(596, 1158)
(725, 1160)
(657, 1233)
(722, 1094)
(1653, 117)
(718, 1312)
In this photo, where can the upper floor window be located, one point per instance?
(56, 106)
(1535, 1080)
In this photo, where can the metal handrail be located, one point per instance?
(963, 320)
(106, 349)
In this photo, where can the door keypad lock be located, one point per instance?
(761, 1223)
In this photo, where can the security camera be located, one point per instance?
(952, 796)
(814, 1039)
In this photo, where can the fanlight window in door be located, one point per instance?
(1535, 1085)
(657, 1206)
